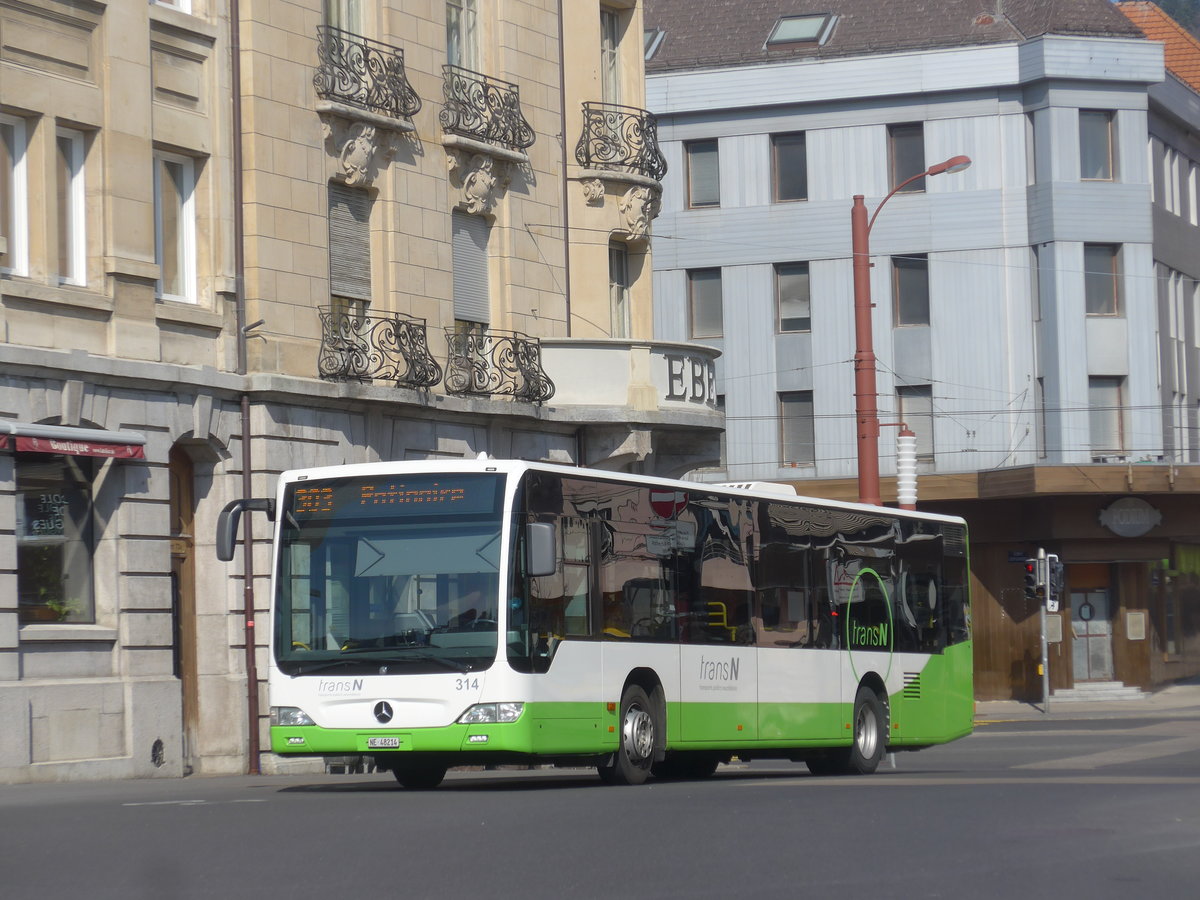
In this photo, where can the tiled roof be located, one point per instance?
(1181, 50)
(713, 33)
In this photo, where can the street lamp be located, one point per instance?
(865, 400)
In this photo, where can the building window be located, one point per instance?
(1035, 282)
(792, 296)
(796, 430)
(800, 30)
(175, 226)
(906, 155)
(914, 403)
(1097, 149)
(704, 302)
(651, 40)
(1031, 170)
(14, 207)
(789, 166)
(1106, 420)
(469, 252)
(349, 249)
(703, 174)
(72, 252)
(910, 288)
(181, 5)
(618, 289)
(462, 34)
(54, 538)
(610, 57)
(1102, 279)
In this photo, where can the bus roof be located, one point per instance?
(518, 467)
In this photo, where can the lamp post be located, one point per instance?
(865, 398)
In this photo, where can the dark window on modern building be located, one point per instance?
(906, 155)
(704, 303)
(797, 434)
(792, 296)
(789, 167)
(1102, 279)
(910, 288)
(703, 174)
(1097, 147)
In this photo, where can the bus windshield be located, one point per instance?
(390, 574)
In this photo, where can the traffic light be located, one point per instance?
(1031, 573)
(1054, 582)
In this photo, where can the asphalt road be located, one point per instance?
(1089, 808)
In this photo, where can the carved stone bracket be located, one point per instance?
(639, 207)
(482, 179)
(361, 143)
(593, 191)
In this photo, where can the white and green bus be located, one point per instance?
(488, 612)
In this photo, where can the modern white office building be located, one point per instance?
(1036, 317)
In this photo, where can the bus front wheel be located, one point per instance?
(639, 735)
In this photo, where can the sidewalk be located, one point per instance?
(1180, 700)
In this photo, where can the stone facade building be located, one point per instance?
(239, 236)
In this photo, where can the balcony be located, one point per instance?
(367, 75)
(620, 138)
(484, 109)
(386, 348)
(496, 363)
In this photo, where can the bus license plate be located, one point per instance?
(383, 743)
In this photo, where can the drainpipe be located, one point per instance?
(566, 195)
(239, 274)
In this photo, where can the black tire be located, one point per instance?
(639, 730)
(863, 756)
(419, 776)
(686, 766)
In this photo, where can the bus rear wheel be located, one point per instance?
(419, 776)
(639, 736)
(862, 757)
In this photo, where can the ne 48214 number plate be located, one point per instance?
(383, 743)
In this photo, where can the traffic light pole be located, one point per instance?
(1043, 576)
(1045, 664)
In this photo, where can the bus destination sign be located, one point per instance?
(395, 497)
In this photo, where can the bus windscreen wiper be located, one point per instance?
(353, 656)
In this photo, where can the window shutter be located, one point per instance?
(349, 242)
(472, 301)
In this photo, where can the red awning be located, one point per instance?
(79, 448)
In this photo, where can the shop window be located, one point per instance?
(54, 539)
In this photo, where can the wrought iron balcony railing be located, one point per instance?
(620, 137)
(363, 73)
(484, 108)
(496, 362)
(368, 348)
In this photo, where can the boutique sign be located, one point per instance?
(1130, 517)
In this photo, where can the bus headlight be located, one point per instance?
(487, 713)
(289, 715)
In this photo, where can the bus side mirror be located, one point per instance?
(227, 522)
(541, 557)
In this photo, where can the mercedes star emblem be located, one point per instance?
(383, 711)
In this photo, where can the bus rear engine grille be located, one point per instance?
(912, 686)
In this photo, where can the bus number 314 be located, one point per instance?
(466, 684)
